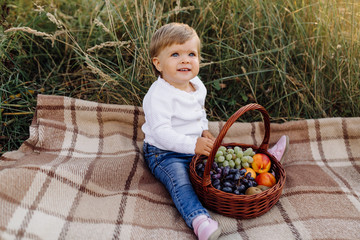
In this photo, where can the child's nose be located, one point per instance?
(185, 59)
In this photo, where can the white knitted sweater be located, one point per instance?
(174, 119)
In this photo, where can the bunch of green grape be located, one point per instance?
(234, 157)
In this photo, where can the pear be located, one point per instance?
(262, 187)
(252, 190)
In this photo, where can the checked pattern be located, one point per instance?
(81, 175)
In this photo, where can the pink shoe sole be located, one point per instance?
(286, 148)
(211, 231)
(214, 235)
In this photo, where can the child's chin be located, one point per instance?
(186, 73)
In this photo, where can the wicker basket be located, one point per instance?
(229, 204)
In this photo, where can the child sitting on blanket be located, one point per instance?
(175, 125)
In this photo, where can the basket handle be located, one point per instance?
(263, 147)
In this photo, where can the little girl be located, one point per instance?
(175, 125)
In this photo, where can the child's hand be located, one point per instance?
(204, 146)
(208, 134)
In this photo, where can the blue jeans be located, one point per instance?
(172, 169)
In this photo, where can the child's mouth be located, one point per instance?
(184, 69)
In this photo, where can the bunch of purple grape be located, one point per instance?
(230, 180)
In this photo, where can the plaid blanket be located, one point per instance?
(81, 175)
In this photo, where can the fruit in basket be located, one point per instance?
(261, 163)
(237, 161)
(262, 187)
(266, 179)
(220, 159)
(245, 165)
(252, 191)
(249, 152)
(227, 179)
(231, 170)
(238, 152)
(228, 156)
(222, 148)
(251, 171)
(234, 157)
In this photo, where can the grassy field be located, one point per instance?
(297, 58)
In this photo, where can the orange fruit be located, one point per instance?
(250, 170)
(266, 179)
(261, 163)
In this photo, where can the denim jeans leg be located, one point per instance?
(172, 169)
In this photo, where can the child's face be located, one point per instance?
(179, 63)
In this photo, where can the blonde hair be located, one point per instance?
(169, 34)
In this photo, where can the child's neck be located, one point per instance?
(187, 87)
(190, 88)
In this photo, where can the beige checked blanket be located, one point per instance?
(81, 175)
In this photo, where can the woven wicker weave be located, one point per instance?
(229, 204)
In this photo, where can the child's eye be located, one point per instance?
(192, 54)
(175, 55)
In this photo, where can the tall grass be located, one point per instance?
(297, 58)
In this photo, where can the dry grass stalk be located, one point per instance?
(97, 71)
(100, 24)
(108, 44)
(111, 19)
(53, 19)
(29, 30)
(58, 33)
(62, 15)
(39, 8)
(178, 8)
(46, 36)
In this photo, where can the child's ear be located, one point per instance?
(156, 63)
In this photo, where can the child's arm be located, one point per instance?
(203, 146)
(208, 134)
(205, 143)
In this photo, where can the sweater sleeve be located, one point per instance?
(205, 122)
(158, 116)
(203, 91)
